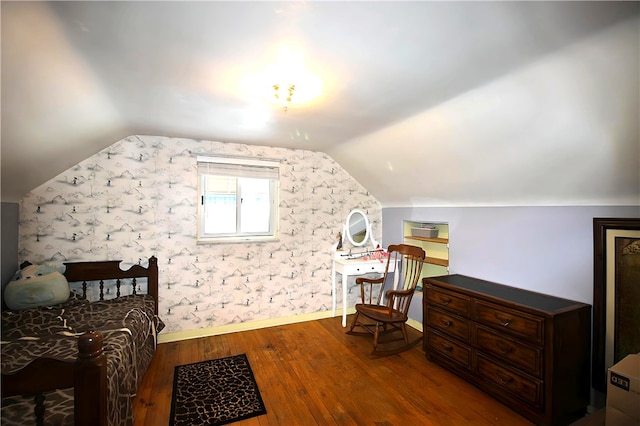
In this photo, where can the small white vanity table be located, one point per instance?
(357, 230)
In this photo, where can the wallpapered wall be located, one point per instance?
(138, 197)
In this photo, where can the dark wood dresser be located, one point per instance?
(529, 350)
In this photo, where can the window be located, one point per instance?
(237, 199)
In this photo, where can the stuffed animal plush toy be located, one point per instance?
(34, 286)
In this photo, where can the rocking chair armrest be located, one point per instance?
(398, 293)
(398, 297)
(392, 295)
(363, 280)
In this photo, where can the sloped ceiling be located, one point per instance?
(425, 103)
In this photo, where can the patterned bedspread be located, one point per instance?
(129, 328)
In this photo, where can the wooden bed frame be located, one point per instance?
(88, 374)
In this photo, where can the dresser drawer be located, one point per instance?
(457, 303)
(525, 357)
(510, 321)
(457, 352)
(448, 323)
(527, 389)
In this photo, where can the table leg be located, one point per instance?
(333, 289)
(344, 300)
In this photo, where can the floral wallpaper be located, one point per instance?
(137, 198)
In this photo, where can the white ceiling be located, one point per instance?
(79, 76)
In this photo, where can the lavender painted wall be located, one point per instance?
(543, 249)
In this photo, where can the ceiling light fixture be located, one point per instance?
(284, 93)
(286, 82)
(291, 77)
(287, 70)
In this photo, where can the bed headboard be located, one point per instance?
(100, 271)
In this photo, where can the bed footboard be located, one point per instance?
(87, 375)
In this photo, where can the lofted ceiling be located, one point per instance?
(400, 80)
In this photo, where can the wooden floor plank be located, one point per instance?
(312, 373)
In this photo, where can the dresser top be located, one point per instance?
(478, 287)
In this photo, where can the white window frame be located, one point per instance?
(238, 168)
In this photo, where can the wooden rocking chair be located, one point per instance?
(380, 316)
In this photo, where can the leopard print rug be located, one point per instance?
(215, 392)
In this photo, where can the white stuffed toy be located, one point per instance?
(34, 286)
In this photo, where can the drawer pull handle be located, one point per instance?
(503, 321)
(445, 300)
(447, 348)
(445, 322)
(503, 349)
(504, 380)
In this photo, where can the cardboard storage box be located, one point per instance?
(425, 232)
(623, 392)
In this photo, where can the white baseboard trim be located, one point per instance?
(255, 325)
(415, 324)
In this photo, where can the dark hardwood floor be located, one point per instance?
(312, 373)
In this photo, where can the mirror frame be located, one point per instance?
(367, 224)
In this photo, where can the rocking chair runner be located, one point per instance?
(380, 316)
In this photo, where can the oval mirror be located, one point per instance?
(357, 228)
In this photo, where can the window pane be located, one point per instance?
(220, 205)
(255, 213)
